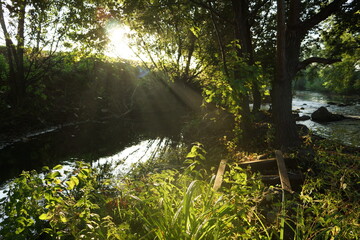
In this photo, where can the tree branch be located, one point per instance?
(256, 10)
(305, 63)
(322, 15)
(213, 11)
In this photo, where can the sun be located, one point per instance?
(119, 45)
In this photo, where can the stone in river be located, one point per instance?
(323, 115)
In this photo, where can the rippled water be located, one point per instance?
(346, 131)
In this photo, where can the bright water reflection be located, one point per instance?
(124, 160)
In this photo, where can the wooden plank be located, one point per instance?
(258, 161)
(219, 175)
(284, 178)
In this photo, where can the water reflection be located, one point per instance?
(89, 142)
(124, 160)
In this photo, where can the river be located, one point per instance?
(126, 141)
(346, 131)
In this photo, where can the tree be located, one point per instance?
(291, 30)
(35, 30)
(172, 32)
(234, 26)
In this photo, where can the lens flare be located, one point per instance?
(119, 45)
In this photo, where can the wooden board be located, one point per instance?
(258, 161)
(284, 178)
(219, 175)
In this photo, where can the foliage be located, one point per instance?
(84, 203)
(4, 68)
(4, 71)
(338, 39)
(36, 30)
(166, 35)
(328, 206)
(170, 204)
(343, 77)
(59, 204)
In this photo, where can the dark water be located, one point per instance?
(95, 142)
(345, 131)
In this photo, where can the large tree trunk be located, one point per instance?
(288, 47)
(289, 37)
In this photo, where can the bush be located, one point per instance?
(87, 203)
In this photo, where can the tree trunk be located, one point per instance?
(15, 57)
(288, 46)
(11, 57)
(191, 49)
(243, 34)
(20, 55)
(256, 97)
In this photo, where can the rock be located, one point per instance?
(295, 115)
(302, 118)
(302, 129)
(323, 115)
(262, 116)
(331, 103)
(345, 104)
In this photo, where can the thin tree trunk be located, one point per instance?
(243, 35)
(256, 97)
(11, 56)
(191, 49)
(220, 42)
(20, 54)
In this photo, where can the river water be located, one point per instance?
(345, 131)
(120, 142)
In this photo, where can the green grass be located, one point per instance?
(181, 203)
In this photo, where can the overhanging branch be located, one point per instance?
(212, 11)
(305, 63)
(256, 10)
(322, 15)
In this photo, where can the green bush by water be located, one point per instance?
(87, 203)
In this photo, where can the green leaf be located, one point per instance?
(19, 230)
(53, 175)
(191, 155)
(63, 219)
(74, 181)
(58, 167)
(45, 216)
(45, 168)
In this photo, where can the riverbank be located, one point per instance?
(174, 171)
(178, 202)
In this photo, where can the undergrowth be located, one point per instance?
(88, 203)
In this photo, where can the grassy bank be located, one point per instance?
(150, 203)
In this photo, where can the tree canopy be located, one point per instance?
(238, 51)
